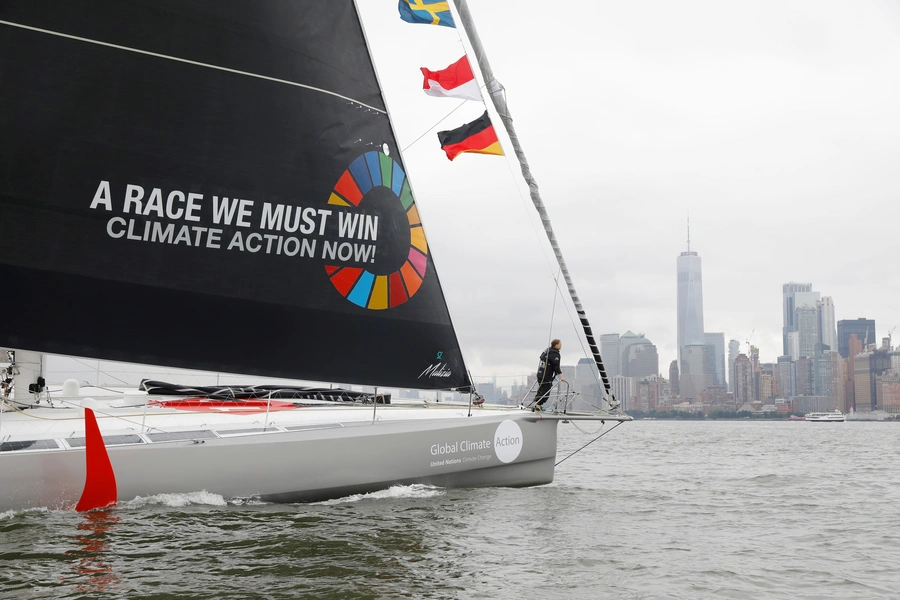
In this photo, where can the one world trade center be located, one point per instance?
(690, 301)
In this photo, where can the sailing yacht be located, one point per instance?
(218, 187)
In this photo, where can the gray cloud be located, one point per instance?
(774, 124)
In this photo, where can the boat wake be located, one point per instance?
(204, 498)
(416, 490)
(176, 500)
(8, 514)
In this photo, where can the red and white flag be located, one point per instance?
(456, 81)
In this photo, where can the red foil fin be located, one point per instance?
(100, 480)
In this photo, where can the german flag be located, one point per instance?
(478, 136)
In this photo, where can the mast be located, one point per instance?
(496, 92)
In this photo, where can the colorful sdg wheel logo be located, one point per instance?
(362, 287)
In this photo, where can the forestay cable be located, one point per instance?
(496, 93)
(589, 443)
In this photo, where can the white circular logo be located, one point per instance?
(508, 441)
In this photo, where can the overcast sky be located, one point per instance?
(775, 124)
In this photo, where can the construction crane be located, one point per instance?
(748, 341)
(890, 347)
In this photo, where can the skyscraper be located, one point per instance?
(829, 378)
(793, 344)
(854, 349)
(786, 377)
(743, 380)
(673, 377)
(587, 379)
(827, 331)
(868, 366)
(793, 296)
(807, 320)
(623, 389)
(734, 348)
(690, 300)
(695, 376)
(716, 343)
(640, 360)
(864, 330)
(609, 350)
(628, 339)
(806, 376)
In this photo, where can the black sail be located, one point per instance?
(211, 184)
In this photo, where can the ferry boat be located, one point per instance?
(834, 416)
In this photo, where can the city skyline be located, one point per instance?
(804, 310)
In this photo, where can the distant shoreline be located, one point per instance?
(732, 416)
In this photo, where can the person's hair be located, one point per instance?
(554, 343)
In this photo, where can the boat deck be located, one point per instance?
(131, 417)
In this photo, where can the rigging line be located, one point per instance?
(549, 336)
(512, 174)
(587, 398)
(525, 207)
(575, 425)
(430, 129)
(550, 265)
(482, 88)
(503, 110)
(540, 245)
(102, 413)
(72, 404)
(538, 239)
(528, 213)
(553, 309)
(589, 443)
(99, 371)
(580, 339)
(192, 62)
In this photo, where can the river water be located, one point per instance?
(654, 509)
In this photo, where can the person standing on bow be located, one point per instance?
(548, 369)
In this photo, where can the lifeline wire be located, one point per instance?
(589, 443)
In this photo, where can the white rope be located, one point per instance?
(192, 62)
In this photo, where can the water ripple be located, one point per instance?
(656, 510)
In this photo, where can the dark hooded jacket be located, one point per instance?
(548, 367)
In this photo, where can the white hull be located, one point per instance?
(826, 417)
(306, 454)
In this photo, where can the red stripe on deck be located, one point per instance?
(204, 405)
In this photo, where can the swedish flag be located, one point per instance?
(432, 12)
